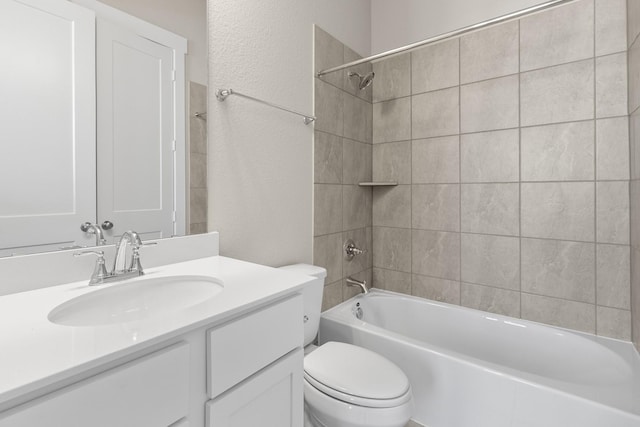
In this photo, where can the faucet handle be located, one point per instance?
(135, 257)
(99, 254)
(100, 271)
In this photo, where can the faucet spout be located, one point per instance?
(362, 284)
(119, 262)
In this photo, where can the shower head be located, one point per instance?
(365, 80)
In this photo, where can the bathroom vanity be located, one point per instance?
(226, 356)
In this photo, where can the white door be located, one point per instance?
(47, 135)
(135, 87)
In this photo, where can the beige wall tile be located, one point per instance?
(490, 156)
(435, 67)
(392, 248)
(436, 253)
(613, 276)
(562, 152)
(557, 36)
(327, 158)
(356, 162)
(393, 78)
(392, 162)
(559, 269)
(436, 207)
(436, 289)
(331, 295)
(493, 300)
(558, 210)
(329, 109)
(633, 24)
(491, 260)
(634, 75)
(559, 94)
(490, 53)
(611, 25)
(435, 113)
(199, 228)
(614, 323)
(611, 85)
(198, 170)
(327, 253)
(392, 120)
(612, 212)
(357, 119)
(356, 207)
(612, 149)
(559, 312)
(328, 52)
(395, 281)
(435, 160)
(490, 208)
(198, 205)
(489, 105)
(392, 206)
(327, 217)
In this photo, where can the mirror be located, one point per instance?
(105, 108)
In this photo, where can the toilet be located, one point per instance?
(346, 385)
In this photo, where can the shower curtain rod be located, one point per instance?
(450, 34)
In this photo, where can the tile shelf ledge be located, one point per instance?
(378, 184)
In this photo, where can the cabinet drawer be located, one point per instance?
(149, 392)
(271, 398)
(242, 347)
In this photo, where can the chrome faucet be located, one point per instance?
(362, 284)
(119, 263)
(87, 227)
(120, 270)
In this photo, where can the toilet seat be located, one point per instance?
(356, 376)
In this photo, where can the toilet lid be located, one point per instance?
(355, 371)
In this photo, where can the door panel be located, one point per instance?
(135, 132)
(47, 137)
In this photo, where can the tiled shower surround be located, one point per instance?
(342, 159)
(511, 150)
(197, 159)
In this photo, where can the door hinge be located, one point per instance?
(173, 75)
(173, 214)
(174, 145)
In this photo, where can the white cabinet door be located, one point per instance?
(135, 86)
(271, 398)
(149, 392)
(47, 135)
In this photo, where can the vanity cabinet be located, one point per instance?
(244, 372)
(149, 392)
(255, 369)
(271, 398)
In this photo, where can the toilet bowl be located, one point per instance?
(346, 385)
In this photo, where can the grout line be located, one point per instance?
(519, 173)
(459, 171)
(595, 167)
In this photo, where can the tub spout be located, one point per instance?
(361, 284)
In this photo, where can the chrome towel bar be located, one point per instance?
(222, 94)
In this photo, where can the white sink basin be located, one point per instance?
(135, 300)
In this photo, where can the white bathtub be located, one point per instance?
(469, 368)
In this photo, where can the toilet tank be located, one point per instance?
(312, 298)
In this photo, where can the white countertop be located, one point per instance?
(35, 353)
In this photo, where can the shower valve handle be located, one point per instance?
(351, 250)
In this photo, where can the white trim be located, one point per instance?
(137, 25)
